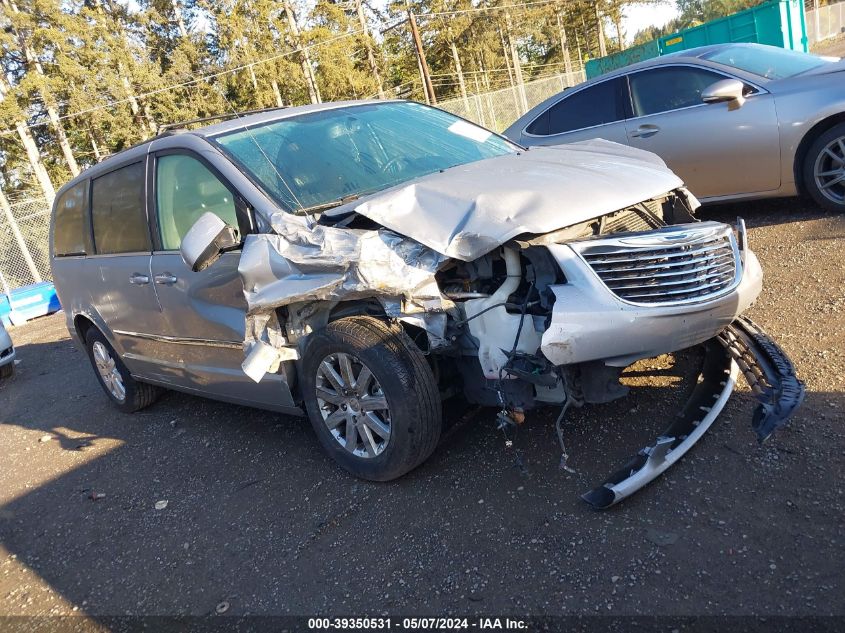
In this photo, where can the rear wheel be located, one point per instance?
(824, 169)
(371, 398)
(123, 390)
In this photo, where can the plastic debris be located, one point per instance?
(96, 496)
(222, 607)
(45, 438)
(161, 505)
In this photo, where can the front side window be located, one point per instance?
(70, 230)
(318, 159)
(670, 88)
(117, 211)
(596, 105)
(185, 189)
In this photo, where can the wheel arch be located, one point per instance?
(370, 308)
(81, 323)
(807, 141)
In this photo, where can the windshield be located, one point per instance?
(767, 61)
(321, 158)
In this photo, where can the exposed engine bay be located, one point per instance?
(518, 319)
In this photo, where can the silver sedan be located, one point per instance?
(733, 120)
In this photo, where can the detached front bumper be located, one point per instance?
(744, 347)
(590, 322)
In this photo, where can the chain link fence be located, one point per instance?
(24, 243)
(498, 109)
(825, 22)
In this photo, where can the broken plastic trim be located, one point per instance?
(769, 373)
(718, 376)
(772, 379)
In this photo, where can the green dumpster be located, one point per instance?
(777, 23)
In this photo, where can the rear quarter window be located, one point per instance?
(117, 211)
(595, 105)
(70, 226)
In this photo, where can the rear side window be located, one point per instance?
(596, 105)
(70, 230)
(117, 211)
(185, 189)
(671, 88)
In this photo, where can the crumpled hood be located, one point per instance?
(468, 210)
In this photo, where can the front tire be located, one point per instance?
(824, 169)
(126, 393)
(371, 398)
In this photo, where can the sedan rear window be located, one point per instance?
(589, 107)
(770, 62)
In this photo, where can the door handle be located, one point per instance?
(138, 279)
(645, 131)
(165, 279)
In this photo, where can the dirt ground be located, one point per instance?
(259, 519)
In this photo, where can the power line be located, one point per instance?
(477, 9)
(189, 82)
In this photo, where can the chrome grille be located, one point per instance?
(679, 264)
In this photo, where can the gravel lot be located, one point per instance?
(258, 518)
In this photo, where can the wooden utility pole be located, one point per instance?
(429, 87)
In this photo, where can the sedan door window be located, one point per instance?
(596, 105)
(185, 189)
(670, 88)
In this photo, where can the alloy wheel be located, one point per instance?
(829, 170)
(353, 405)
(109, 371)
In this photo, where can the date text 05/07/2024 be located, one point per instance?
(418, 624)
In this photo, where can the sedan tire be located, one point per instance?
(824, 169)
(371, 397)
(126, 393)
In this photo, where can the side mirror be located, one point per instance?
(730, 90)
(206, 240)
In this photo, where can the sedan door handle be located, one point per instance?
(644, 131)
(138, 279)
(166, 279)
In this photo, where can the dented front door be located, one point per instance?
(205, 310)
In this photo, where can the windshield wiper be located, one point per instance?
(331, 204)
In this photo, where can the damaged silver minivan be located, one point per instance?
(362, 262)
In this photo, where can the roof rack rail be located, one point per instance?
(217, 117)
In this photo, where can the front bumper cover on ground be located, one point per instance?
(741, 347)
